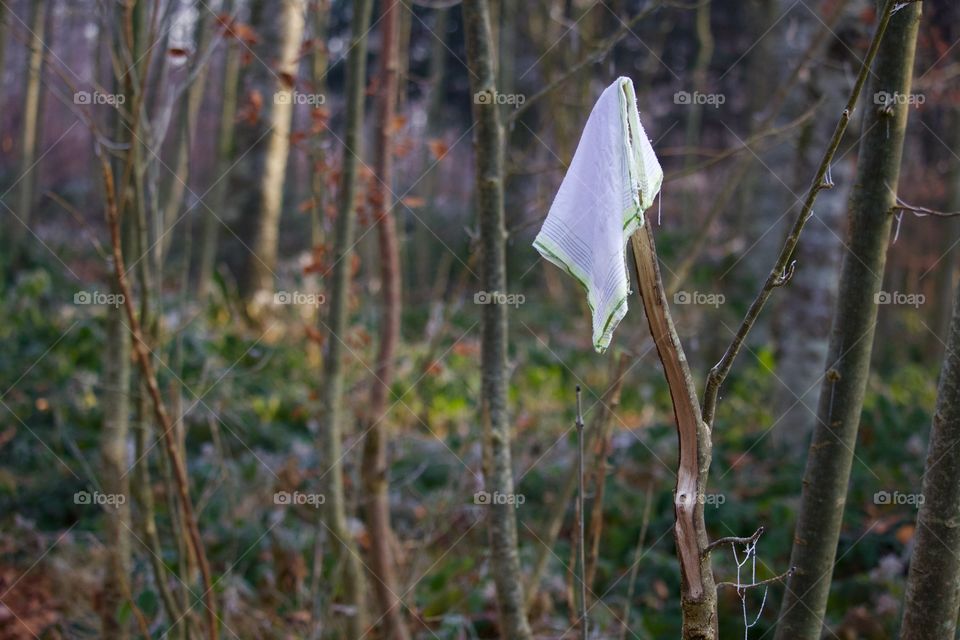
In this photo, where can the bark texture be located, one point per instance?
(488, 144)
(698, 592)
(933, 585)
(331, 439)
(841, 397)
(375, 465)
(113, 451)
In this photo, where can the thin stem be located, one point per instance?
(584, 630)
(759, 583)
(734, 540)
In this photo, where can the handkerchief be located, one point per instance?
(613, 178)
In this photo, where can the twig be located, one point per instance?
(635, 568)
(760, 583)
(921, 211)
(772, 132)
(719, 371)
(584, 625)
(734, 540)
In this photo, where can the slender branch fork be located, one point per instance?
(734, 540)
(902, 206)
(783, 268)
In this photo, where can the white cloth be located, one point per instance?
(613, 178)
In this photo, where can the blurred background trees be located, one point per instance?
(316, 199)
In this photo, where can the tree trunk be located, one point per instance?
(225, 143)
(375, 466)
(27, 172)
(841, 396)
(186, 127)
(113, 451)
(331, 442)
(488, 142)
(933, 585)
(802, 318)
(263, 260)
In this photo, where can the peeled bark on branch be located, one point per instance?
(375, 466)
(488, 144)
(331, 438)
(841, 397)
(697, 590)
(933, 586)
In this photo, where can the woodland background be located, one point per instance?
(183, 95)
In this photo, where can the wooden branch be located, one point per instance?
(686, 410)
(771, 132)
(734, 540)
(922, 211)
(761, 583)
(777, 275)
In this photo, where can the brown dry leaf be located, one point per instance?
(905, 533)
(252, 106)
(438, 148)
(306, 205)
(287, 79)
(398, 122)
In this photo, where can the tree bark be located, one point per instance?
(113, 451)
(375, 466)
(263, 260)
(933, 585)
(698, 592)
(841, 396)
(488, 144)
(331, 441)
